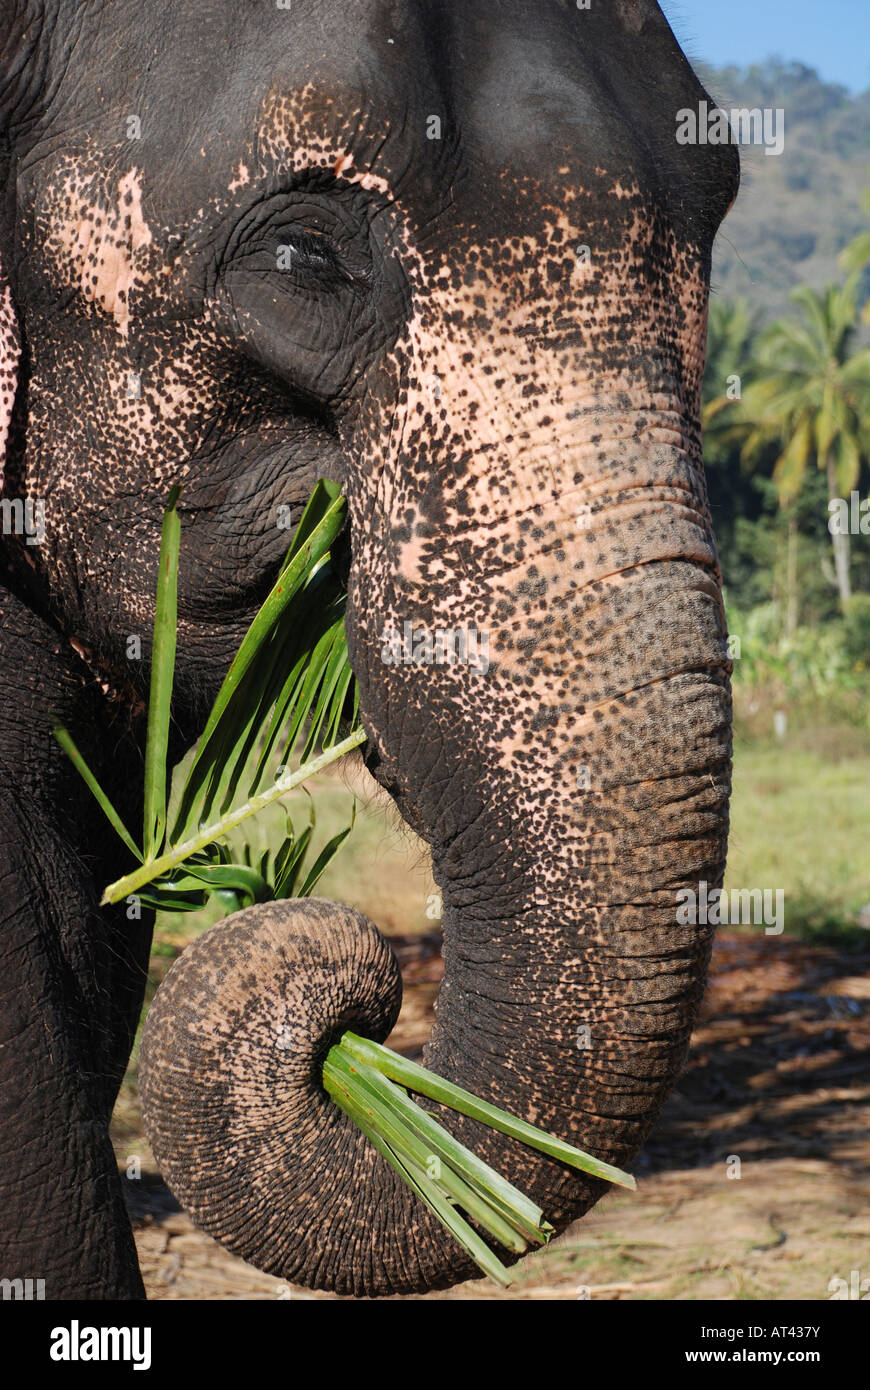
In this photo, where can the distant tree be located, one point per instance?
(812, 395)
(732, 328)
(734, 490)
(856, 256)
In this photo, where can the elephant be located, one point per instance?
(449, 255)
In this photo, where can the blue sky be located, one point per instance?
(832, 36)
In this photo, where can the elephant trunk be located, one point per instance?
(571, 985)
(232, 1094)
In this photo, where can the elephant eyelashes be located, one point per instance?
(315, 251)
(311, 253)
(298, 260)
(299, 243)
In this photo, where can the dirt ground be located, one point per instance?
(778, 1078)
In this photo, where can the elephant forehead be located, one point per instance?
(220, 98)
(314, 129)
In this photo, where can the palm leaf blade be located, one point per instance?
(162, 674)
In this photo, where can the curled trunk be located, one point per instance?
(569, 994)
(234, 1105)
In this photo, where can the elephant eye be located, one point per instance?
(304, 245)
(313, 253)
(299, 260)
(295, 285)
(294, 259)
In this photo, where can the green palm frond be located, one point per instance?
(814, 392)
(277, 719)
(731, 332)
(162, 672)
(788, 346)
(857, 253)
(848, 463)
(855, 371)
(791, 466)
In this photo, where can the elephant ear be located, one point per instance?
(10, 353)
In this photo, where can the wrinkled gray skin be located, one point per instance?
(515, 423)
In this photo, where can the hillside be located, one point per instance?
(796, 211)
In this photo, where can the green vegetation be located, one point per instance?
(287, 692)
(368, 1082)
(787, 434)
(811, 397)
(800, 823)
(787, 412)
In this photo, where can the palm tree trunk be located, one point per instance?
(792, 597)
(840, 544)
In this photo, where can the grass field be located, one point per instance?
(800, 821)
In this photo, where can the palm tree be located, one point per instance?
(813, 397)
(731, 331)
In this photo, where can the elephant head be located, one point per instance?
(458, 262)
